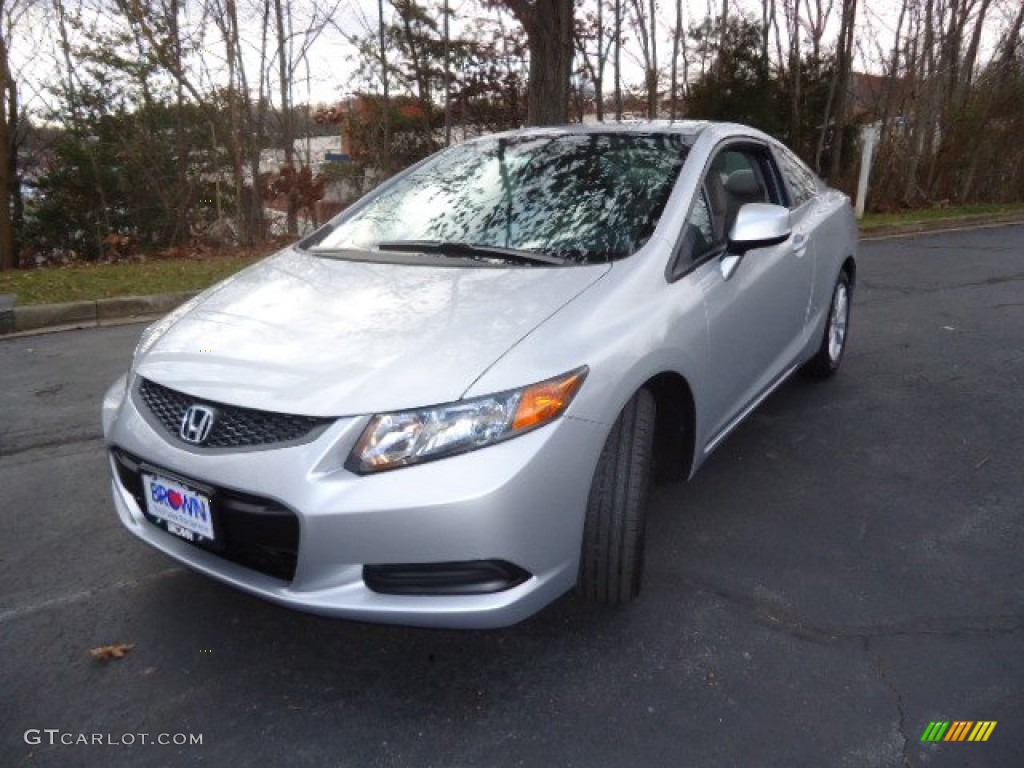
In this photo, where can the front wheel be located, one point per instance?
(612, 558)
(826, 360)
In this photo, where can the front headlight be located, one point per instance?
(398, 439)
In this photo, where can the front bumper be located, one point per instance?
(520, 502)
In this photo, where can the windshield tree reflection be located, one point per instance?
(584, 198)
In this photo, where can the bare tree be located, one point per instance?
(795, 85)
(647, 36)
(549, 27)
(966, 78)
(70, 86)
(677, 46)
(834, 119)
(241, 141)
(892, 98)
(817, 15)
(287, 117)
(841, 82)
(1012, 39)
(602, 57)
(291, 49)
(594, 44)
(446, 11)
(384, 160)
(618, 60)
(9, 183)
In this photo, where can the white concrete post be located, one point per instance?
(869, 135)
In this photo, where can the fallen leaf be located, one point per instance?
(108, 652)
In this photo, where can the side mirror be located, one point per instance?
(758, 225)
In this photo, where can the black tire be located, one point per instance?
(612, 557)
(833, 340)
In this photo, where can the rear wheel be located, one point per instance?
(826, 360)
(612, 558)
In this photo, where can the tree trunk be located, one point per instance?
(842, 84)
(230, 33)
(447, 80)
(618, 60)
(723, 31)
(924, 108)
(599, 70)
(8, 161)
(817, 27)
(384, 154)
(967, 71)
(677, 36)
(767, 14)
(183, 193)
(102, 226)
(652, 69)
(549, 27)
(648, 49)
(1012, 38)
(253, 130)
(795, 112)
(889, 98)
(287, 118)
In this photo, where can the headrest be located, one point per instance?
(743, 184)
(717, 197)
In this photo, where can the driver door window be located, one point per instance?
(742, 180)
(735, 177)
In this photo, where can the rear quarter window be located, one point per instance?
(801, 182)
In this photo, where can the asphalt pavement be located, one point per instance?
(845, 570)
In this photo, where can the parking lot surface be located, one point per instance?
(845, 570)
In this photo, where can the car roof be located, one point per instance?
(689, 129)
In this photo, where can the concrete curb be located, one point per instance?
(41, 318)
(86, 314)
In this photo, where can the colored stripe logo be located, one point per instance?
(958, 730)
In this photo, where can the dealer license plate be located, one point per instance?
(184, 511)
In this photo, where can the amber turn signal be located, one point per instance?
(543, 402)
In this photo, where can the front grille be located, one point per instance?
(233, 426)
(252, 531)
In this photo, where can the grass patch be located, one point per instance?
(56, 285)
(918, 215)
(85, 281)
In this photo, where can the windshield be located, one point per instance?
(582, 198)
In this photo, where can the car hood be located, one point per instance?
(324, 337)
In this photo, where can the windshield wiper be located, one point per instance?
(470, 251)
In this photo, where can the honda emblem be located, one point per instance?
(196, 424)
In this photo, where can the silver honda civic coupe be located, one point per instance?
(446, 406)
